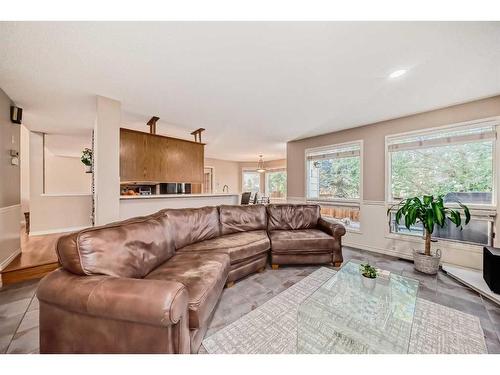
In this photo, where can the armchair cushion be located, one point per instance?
(129, 249)
(204, 275)
(235, 219)
(239, 246)
(292, 216)
(302, 241)
(190, 225)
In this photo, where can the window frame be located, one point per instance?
(478, 211)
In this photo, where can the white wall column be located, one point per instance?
(107, 160)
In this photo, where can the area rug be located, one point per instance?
(272, 327)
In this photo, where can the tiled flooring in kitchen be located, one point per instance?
(19, 306)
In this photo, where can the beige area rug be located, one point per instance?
(272, 327)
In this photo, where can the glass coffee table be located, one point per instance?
(347, 315)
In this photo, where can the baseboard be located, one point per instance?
(11, 257)
(380, 250)
(8, 208)
(54, 231)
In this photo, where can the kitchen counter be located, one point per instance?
(141, 205)
(156, 196)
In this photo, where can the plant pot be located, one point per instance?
(428, 264)
(368, 282)
(88, 169)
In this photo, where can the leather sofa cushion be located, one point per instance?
(204, 275)
(124, 249)
(239, 246)
(242, 218)
(304, 240)
(292, 216)
(190, 225)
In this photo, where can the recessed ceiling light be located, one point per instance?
(398, 73)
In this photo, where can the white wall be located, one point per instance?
(65, 175)
(25, 171)
(225, 173)
(10, 190)
(107, 160)
(53, 213)
(140, 206)
(64, 171)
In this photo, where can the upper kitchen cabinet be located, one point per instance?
(152, 157)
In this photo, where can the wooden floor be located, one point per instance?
(38, 257)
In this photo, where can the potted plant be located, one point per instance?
(430, 212)
(369, 275)
(87, 159)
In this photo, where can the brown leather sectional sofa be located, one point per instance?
(151, 284)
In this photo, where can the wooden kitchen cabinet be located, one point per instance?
(133, 152)
(152, 157)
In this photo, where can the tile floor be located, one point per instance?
(19, 306)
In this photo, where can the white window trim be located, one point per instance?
(478, 211)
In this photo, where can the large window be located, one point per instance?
(334, 173)
(457, 162)
(334, 181)
(276, 184)
(251, 181)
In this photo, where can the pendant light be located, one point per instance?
(260, 165)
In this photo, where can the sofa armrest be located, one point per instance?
(155, 302)
(334, 229)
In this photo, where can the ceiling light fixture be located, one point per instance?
(260, 165)
(398, 73)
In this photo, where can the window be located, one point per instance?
(251, 181)
(457, 162)
(479, 231)
(334, 175)
(276, 184)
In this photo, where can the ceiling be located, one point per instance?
(252, 85)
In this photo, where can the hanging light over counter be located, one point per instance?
(260, 165)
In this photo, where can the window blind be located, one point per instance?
(463, 134)
(335, 153)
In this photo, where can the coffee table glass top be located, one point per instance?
(352, 314)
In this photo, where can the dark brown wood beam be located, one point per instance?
(197, 134)
(152, 124)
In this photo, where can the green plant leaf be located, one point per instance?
(407, 222)
(428, 200)
(398, 216)
(455, 218)
(438, 214)
(466, 212)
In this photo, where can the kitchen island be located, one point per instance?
(140, 205)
